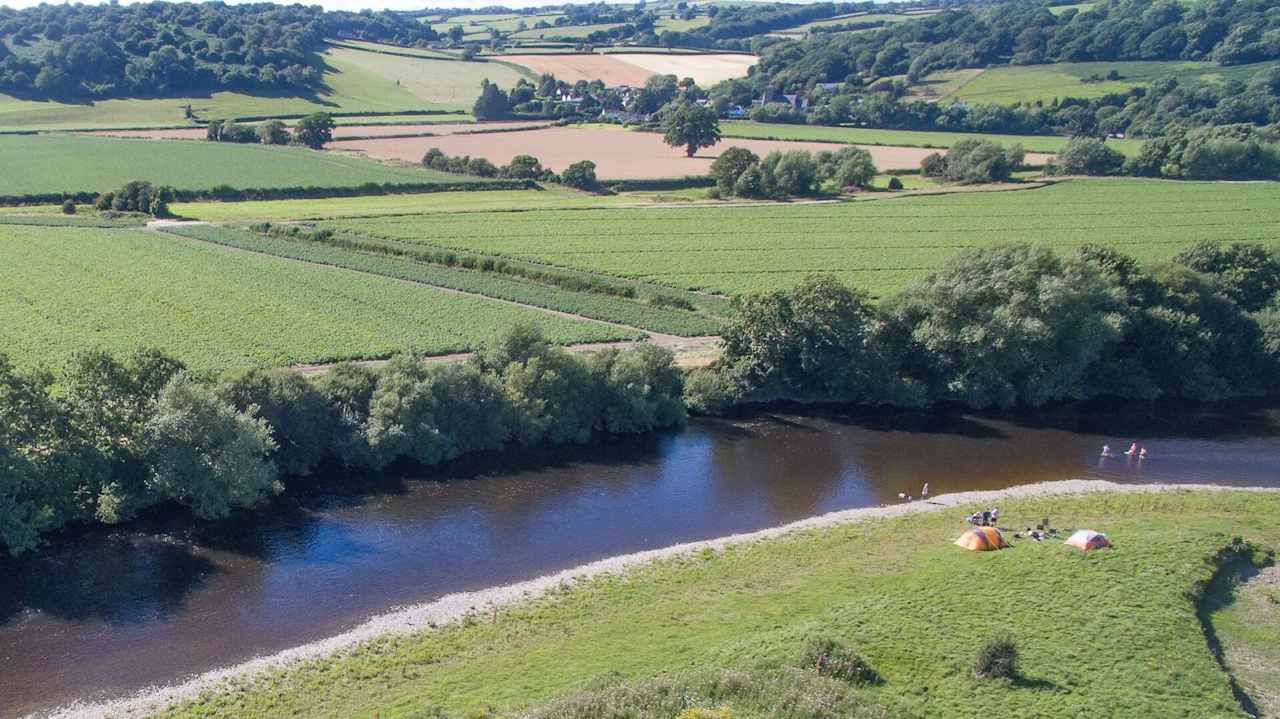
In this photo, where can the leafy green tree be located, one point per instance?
(813, 342)
(730, 165)
(432, 414)
(1088, 156)
(848, 167)
(974, 161)
(38, 459)
(204, 453)
(314, 130)
(523, 167)
(1008, 325)
(109, 401)
(1248, 273)
(294, 409)
(789, 174)
(456, 34)
(347, 390)
(581, 175)
(691, 126)
(272, 132)
(554, 399)
(493, 103)
(641, 389)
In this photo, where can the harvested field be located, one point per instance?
(438, 128)
(618, 154)
(635, 68)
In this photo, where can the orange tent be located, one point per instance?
(982, 539)
(1087, 539)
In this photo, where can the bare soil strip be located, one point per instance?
(454, 607)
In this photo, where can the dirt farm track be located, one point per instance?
(619, 154)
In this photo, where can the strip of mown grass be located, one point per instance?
(591, 305)
(1111, 633)
(906, 138)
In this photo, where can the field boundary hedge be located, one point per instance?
(660, 183)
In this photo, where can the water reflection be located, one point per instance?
(110, 612)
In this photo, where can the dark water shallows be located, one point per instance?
(108, 613)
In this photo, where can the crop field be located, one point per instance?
(633, 68)
(63, 290)
(1042, 83)
(70, 163)
(354, 81)
(548, 198)
(395, 82)
(878, 245)
(573, 32)
(849, 19)
(905, 138)
(619, 154)
(607, 308)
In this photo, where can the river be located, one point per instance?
(106, 613)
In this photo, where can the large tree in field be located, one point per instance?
(493, 103)
(314, 130)
(691, 126)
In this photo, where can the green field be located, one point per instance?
(382, 257)
(878, 245)
(1010, 84)
(1111, 633)
(566, 31)
(912, 138)
(64, 290)
(73, 163)
(887, 18)
(354, 81)
(552, 197)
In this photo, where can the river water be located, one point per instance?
(108, 613)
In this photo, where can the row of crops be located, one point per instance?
(595, 306)
(67, 289)
(878, 245)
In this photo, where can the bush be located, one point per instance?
(997, 660)
(831, 659)
(68, 207)
(974, 161)
(1088, 156)
(895, 183)
(580, 175)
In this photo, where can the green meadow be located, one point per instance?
(81, 163)
(1008, 84)
(1110, 633)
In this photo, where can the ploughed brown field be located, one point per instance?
(619, 154)
(439, 128)
(635, 68)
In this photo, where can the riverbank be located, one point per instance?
(727, 601)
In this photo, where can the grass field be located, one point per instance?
(1042, 83)
(70, 163)
(64, 290)
(908, 138)
(354, 81)
(1078, 7)
(878, 245)
(854, 18)
(1111, 633)
(573, 32)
